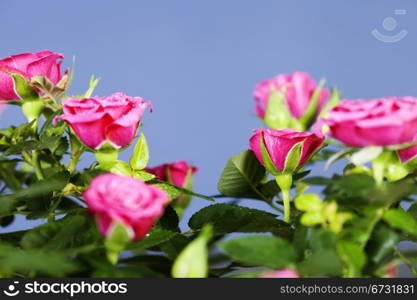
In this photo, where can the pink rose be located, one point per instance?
(114, 198)
(298, 87)
(113, 119)
(279, 143)
(408, 154)
(376, 122)
(283, 273)
(175, 173)
(44, 63)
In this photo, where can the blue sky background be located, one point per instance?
(198, 61)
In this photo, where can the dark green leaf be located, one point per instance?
(227, 218)
(242, 174)
(36, 262)
(381, 245)
(56, 235)
(156, 237)
(260, 250)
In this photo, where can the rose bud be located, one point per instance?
(279, 145)
(28, 65)
(175, 173)
(283, 273)
(100, 121)
(179, 173)
(298, 89)
(376, 122)
(282, 152)
(120, 199)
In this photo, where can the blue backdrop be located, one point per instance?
(198, 61)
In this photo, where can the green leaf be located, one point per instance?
(366, 154)
(35, 262)
(312, 218)
(260, 250)
(55, 235)
(169, 221)
(22, 88)
(399, 219)
(93, 84)
(174, 191)
(143, 175)
(317, 180)
(39, 189)
(140, 157)
(156, 237)
(381, 246)
(308, 202)
(324, 263)
(193, 260)
(173, 247)
(227, 218)
(241, 175)
(116, 167)
(352, 189)
(277, 115)
(324, 259)
(353, 256)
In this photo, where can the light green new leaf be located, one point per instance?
(140, 157)
(193, 260)
(93, 84)
(308, 202)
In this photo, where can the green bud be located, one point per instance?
(117, 239)
(193, 260)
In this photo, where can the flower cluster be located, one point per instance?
(91, 214)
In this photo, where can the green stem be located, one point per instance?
(76, 150)
(284, 181)
(74, 161)
(406, 261)
(37, 165)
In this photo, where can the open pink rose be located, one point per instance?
(46, 63)
(175, 172)
(298, 87)
(375, 122)
(113, 119)
(283, 273)
(279, 143)
(114, 198)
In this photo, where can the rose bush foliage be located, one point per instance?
(121, 219)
